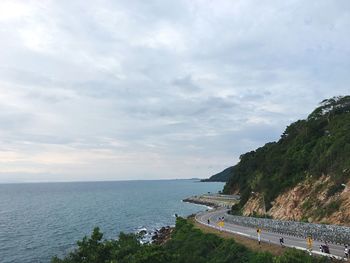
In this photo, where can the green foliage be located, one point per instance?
(307, 205)
(315, 146)
(336, 188)
(220, 177)
(236, 209)
(298, 256)
(332, 207)
(187, 245)
(262, 257)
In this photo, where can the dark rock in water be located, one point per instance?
(143, 232)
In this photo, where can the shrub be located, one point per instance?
(187, 245)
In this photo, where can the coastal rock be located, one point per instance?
(162, 235)
(143, 232)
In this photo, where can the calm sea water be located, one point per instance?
(38, 221)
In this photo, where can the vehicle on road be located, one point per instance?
(324, 248)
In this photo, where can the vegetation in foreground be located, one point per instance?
(187, 245)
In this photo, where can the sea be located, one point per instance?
(41, 220)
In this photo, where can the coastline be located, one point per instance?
(116, 208)
(208, 205)
(161, 235)
(213, 200)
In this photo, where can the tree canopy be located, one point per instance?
(312, 147)
(187, 245)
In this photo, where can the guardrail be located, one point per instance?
(321, 232)
(263, 239)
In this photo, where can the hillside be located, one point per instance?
(302, 175)
(220, 177)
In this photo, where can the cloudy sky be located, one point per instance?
(114, 90)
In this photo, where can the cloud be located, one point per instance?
(141, 90)
(186, 83)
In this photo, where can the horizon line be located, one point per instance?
(98, 181)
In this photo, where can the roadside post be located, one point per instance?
(258, 231)
(221, 224)
(309, 243)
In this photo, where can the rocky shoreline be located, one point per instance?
(162, 235)
(157, 236)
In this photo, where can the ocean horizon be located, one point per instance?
(95, 181)
(39, 220)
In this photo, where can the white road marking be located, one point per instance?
(202, 218)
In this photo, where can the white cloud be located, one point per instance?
(12, 10)
(159, 89)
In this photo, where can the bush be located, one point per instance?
(187, 245)
(298, 256)
(336, 188)
(332, 207)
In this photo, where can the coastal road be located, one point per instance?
(337, 251)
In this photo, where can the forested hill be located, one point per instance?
(220, 177)
(317, 148)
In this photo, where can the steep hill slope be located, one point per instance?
(301, 176)
(220, 177)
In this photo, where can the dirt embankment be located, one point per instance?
(314, 200)
(254, 206)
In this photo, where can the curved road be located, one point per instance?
(337, 251)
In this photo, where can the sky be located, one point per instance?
(159, 89)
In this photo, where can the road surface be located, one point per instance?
(337, 251)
